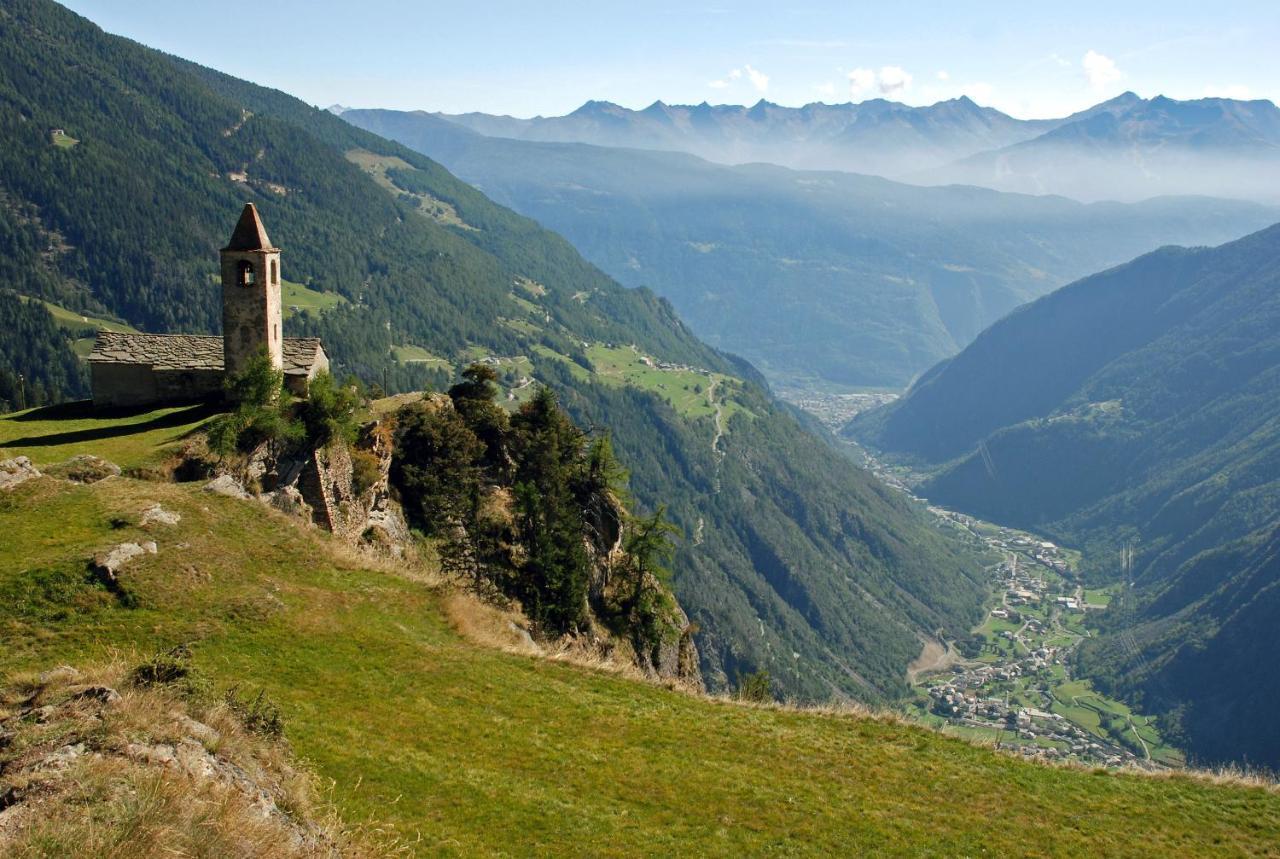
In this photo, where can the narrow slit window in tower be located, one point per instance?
(275, 273)
(247, 277)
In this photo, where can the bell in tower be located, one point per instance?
(251, 306)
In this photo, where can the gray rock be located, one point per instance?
(111, 561)
(158, 515)
(62, 758)
(160, 753)
(16, 471)
(287, 499)
(63, 673)
(226, 485)
(197, 730)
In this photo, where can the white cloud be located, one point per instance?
(759, 79)
(827, 89)
(890, 80)
(724, 82)
(894, 79)
(1237, 91)
(944, 75)
(861, 80)
(1100, 70)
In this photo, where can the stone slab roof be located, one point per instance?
(249, 234)
(300, 354)
(190, 351)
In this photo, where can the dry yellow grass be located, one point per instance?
(147, 772)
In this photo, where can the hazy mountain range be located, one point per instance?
(1126, 148)
(816, 277)
(878, 136)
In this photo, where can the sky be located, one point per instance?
(547, 57)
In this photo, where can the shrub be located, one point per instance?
(262, 412)
(259, 715)
(366, 470)
(755, 687)
(164, 669)
(329, 412)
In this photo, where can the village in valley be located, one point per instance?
(1010, 682)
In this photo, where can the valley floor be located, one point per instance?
(463, 749)
(1016, 688)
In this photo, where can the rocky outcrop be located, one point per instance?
(109, 562)
(66, 732)
(84, 468)
(16, 471)
(157, 515)
(646, 621)
(225, 484)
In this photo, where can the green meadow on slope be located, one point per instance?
(465, 750)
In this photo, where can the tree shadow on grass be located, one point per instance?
(80, 411)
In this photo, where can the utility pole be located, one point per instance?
(22, 392)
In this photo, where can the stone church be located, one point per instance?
(140, 369)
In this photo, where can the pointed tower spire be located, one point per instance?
(249, 234)
(251, 305)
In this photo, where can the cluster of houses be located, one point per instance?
(1038, 733)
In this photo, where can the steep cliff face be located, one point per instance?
(632, 611)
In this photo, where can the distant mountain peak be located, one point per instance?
(594, 106)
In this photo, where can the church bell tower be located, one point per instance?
(251, 316)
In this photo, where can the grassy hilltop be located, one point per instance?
(464, 749)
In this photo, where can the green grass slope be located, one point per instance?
(1136, 407)
(464, 750)
(401, 260)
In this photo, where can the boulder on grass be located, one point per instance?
(226, 485)
(110, 561)
(16, 471)
(158, 515)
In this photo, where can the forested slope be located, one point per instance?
(422, 275)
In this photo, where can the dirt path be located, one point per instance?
(934, 657)
(719, 416)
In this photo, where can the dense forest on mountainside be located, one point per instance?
(816, 278)
(37, 365)
(122, 215)
(1135, 409)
